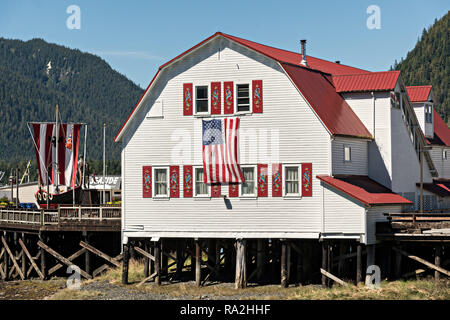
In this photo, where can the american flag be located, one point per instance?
(220, 150)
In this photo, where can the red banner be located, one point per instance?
(233, 190)
(277, 180)
(147, 181)
(215, 190)
(187, 99)
(257, 96)
(262, 180)
(228, 100)
(216, 106)
(187, 181)
(174, 181)
(306, 179)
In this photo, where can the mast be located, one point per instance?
(56, 155)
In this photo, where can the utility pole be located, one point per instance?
(421, 180)
(17, 186)
(104, 162)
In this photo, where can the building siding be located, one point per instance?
(359, 156)
(375, 214)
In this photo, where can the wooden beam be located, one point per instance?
(126, 258)
(71, 258)
(324, 262)
(157, 263)
(284, 272)
(428, 264)
(61, 258)
(35, 258)
(144, 253)
(241, 265)
(260, 258)
(106, 266)
(147, 279)
(358, 263)
(146, 260)
(16, 266)
(332, 277)
(198, 264)
(437, 261)
(99, 253)
(33, 264)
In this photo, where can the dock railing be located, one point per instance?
(61, 215)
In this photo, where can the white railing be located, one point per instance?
(63, 214)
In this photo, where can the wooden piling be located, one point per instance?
(5, 259)
(398, 264)
(23, 257)
(324, 262)
(260, 258)
(87, 255)
(157, 251)
(198, 265)
(437, 261)
(284, 267)
(241, 265)
(146, 260)
(342, 251)
(164, 258)
(180, 259)
(358, 263)
(125, 262)
(43, 258)
(329, 263)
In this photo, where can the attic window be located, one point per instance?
(243, 97)
(428, 114)
(201, 99)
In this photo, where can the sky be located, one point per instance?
(136, 37)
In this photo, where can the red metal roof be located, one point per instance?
(329, 106)
(364, 189)
(441, 131)
(374, 81)
(418, 93)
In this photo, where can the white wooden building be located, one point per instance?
(357, 131)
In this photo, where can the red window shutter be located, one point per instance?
(257, 96)
(187, 184)
(228, 100)
(174, 181)
(188, 99)
(306, 179)
(277, 180)
(216, 106)
(262, 180)
(147, 181)
(233, 190)
(215, 190)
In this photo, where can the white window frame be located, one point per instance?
(208, 186)
(255, 186)
(208, 95)
(167, 196)
(444, 154)
(345, 146)
(250, 111)
(299, 170)
(428, 115)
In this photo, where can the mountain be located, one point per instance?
(36, 75)
(429, 63)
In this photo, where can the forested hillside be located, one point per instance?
(36, 75)
(429, 63)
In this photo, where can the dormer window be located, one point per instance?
(347, 154)
(428, 113)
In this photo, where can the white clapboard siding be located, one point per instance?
(442, 165)
(376, 214)
(419, 110)
(359, 164)
(342, 214)
(170, 140)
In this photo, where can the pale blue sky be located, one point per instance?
(136, 37)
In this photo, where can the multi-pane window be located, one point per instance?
(428, 114)
(347, 154)
(243, 97)
(248, 187)
(292, 180)
(201, 188)
(161, 183)
(201, 99)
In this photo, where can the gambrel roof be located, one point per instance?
(336, 115)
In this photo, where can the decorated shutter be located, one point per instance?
(215, 190)
(187, 181)
(306, 179)
(233, 190)
(187, 99)
(277, 180)
(147, 181)
(262, 180)
(257, 96)
(174, 181)
(216, 106)
(228, 100)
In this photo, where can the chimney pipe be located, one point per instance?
(303, 47)
(338, 61)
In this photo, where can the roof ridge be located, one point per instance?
(365, 74)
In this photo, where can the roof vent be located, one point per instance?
(338, 61)
(303, 47)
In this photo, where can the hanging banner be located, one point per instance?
(257, 96)
(187, 181)
(228, 100)
(146, 181)
(174, 181)
(216, 106)
(306, 179)
(187, 99)
(277, 180)
(262, 180)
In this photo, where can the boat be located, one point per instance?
(61, 178)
